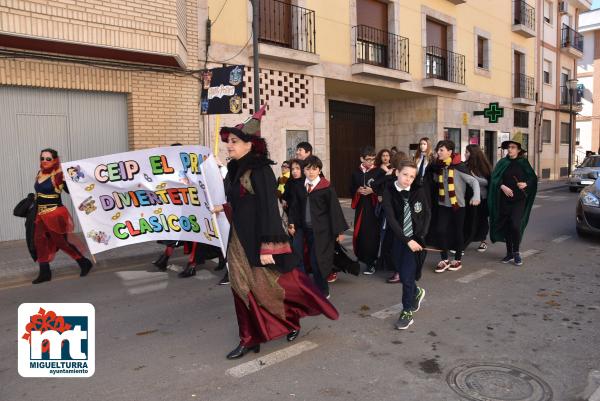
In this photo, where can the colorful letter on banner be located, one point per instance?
(148, 195)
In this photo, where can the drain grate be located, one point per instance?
(497, 382)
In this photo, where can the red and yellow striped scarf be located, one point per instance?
(441, 190)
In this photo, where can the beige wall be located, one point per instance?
(549, 90)
(140, 25)
(402, 122)
(162, 107)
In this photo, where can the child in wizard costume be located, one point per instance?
(511, 195)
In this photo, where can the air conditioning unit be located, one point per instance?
(563, 7)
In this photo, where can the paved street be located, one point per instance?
(164, 338)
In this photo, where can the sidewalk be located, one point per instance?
(16, 266)
(552, 185)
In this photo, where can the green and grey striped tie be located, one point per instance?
(408, 229)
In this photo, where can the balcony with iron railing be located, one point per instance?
(571, 41)
(380, 53)
(523, 18)
(444, 69)
(287, 32)
(564, 99)
(523, 90)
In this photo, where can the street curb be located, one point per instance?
(562, 185)
(25, 276)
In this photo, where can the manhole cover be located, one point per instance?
(497, 382)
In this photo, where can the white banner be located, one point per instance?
(148, 195)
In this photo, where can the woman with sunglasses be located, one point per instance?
(53, 223)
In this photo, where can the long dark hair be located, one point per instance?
(478, 162)
(378, 158)
(428, 152)
(53, 152)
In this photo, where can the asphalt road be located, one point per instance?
(164, 338)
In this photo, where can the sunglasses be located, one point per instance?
(48, 159)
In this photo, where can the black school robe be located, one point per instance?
(290, 194)
(420, 208)
(327, 219)
(365, 240)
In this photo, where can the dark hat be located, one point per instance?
(506, 143)
(247, 130)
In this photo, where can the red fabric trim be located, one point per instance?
(356, 230)
(355, 200)
(302, 298)
(273, 248)
(456, 158)
(323, 183)
(192, 256)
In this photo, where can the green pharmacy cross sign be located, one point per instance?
(493, 112)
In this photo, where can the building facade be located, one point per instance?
(560, 47)
(587, 138)
(345, 74)
(95, 77)
(92, 77)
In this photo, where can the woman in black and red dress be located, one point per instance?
(53, 223)
(270, 295)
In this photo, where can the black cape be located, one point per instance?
(255, 215)
(327, 219)
(366, 223)
(421, 218)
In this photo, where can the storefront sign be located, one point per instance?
(493, 112)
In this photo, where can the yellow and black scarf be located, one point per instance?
(451, 191)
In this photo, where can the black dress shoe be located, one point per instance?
(189, 271)
(225, 279)
(45, 274)
(161, 262)
(85, 265)
(241, 350)
(292, 335)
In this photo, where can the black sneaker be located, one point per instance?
(370, 269)
(405, 320)
(419, 298)
(508, 258)
(517, 259)
(224, 280)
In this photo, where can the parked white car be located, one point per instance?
(585, 174)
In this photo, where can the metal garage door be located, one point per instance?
(77, 124)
